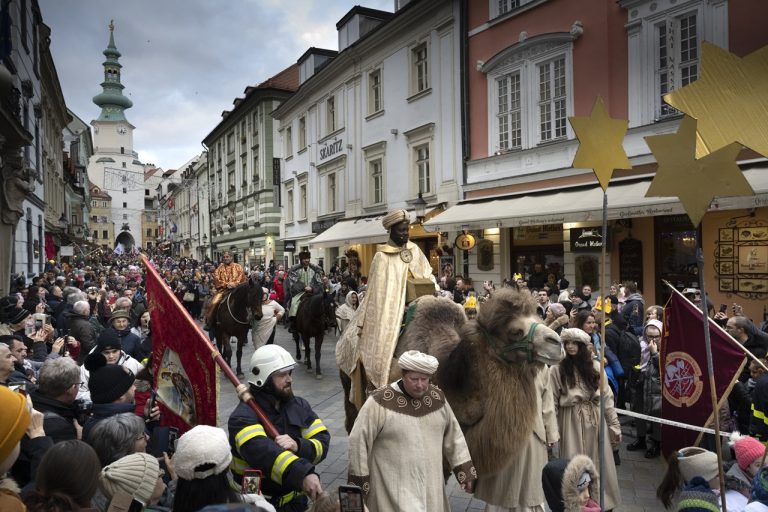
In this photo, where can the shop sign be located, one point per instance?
(322, 225)
(547, 234)
(289, 245)
(67, 250)
(331, 149)
(464, 241)
(586, 239)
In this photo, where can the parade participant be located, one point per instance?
(575, 385)
(263, 329)
(287, 462)
(303, 278)
(399, 441)
(366, 347)
(346, 311)
(226, 277)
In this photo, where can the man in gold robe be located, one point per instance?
(367, 345)
(226, 276)
(403, 433)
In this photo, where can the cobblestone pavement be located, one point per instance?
(638, 477)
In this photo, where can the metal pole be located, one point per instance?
(603, 292)
(711, 372)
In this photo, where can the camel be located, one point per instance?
(487, 369)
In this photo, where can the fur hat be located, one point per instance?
(135, 475)
(13, 421)
(698, 496)
(395, 217)
(576, 335)
(304, 255)
(694, 461)
(747, 450)
(202, 445)
(107, 382)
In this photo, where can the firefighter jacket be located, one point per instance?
(283, 471)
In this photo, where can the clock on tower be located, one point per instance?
(121, 130)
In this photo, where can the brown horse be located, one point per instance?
(316, 314)
(233, 317)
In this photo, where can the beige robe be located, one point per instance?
(371, 336)
(396, 451)
(578, 416)
(518, 486)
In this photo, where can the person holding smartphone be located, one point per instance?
(288, 461)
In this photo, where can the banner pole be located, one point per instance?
(711, 372)
(712, 323)
(242, 390)
(604, 287)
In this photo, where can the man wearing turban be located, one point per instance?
(402, 435)
(367, 345)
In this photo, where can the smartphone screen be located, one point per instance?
(351, 498)
(251, 481)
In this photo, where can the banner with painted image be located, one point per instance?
(684, 382)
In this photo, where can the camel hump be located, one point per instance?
(434, 328)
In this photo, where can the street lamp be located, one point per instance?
(420, 206)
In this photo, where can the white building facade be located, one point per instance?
(371, 128)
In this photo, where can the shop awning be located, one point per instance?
(625, 200)
(358, 231)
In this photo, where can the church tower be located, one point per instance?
(115, 167)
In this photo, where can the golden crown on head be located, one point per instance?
(517, 276)
(599, 305)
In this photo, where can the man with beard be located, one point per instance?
(400, 439)
(303, 279)
(365, 348)
(288, 461)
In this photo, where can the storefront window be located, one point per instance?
(676, 245)
(537, 244)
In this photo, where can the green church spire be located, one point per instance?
(111, 99)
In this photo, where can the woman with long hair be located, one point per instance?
(682, 466)
(60, 485)
(575, 385)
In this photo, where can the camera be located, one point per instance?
(83, 409)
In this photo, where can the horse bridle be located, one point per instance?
(525, 343)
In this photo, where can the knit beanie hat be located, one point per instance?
(109, 339)
(107, 382)
(135, 475)
(694, 461)
(557, 309)
(697, 496)
(760, 486)
(8, 308)
(747, 449)
(13, 420)
(202, 445)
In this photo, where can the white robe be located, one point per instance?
(396, 451)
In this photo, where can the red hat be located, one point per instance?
(747, 450)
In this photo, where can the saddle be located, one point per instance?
(216, 302)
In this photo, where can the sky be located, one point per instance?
(184, 61)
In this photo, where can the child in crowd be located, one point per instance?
(683, 465)
(571, 486)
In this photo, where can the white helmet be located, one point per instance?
(268, 360)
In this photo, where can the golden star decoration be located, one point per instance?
(729, 100)
(695, 182)
(600, 143)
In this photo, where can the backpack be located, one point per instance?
(629, 348)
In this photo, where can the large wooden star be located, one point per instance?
(695, 182)
(600, 143)
(729, 100)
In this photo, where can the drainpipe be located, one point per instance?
(464, 87)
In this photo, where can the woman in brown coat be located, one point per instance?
(575, 385)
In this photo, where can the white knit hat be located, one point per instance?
(135, 475)
(202, 445)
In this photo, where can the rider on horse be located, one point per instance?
(303, 278)
(226, 277)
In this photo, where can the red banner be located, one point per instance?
(184, 370)
(686, 395)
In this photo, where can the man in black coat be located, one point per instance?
(744, 331)
(79, 326)
(55, 397)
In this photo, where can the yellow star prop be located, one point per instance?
(695, 182)
(600, 143)
(730, 100)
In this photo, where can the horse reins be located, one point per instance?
(229, 308)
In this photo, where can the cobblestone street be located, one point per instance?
(638, 477)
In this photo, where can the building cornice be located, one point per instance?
(243, 107)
